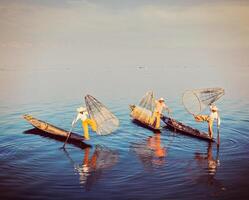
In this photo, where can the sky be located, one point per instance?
(123, 33)
(89, 35)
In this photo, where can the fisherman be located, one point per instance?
(214, 115)
(156, 117)
(83, 116)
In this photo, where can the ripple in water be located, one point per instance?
(132, 163)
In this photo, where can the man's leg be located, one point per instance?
(158, 120)
(152, 119)
(92, 123)
(202, 118)
(210, 128)
(85, 127)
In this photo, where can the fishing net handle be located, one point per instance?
(186, 106)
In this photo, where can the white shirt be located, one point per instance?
(82, 116)
(160, 106)
(215, 115)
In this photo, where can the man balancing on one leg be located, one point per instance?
(156, 117)
(214, 115)
(83, 115)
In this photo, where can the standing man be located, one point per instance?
(214, 115)
(156, 117)
(83, 116)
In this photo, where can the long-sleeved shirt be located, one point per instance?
(82, 116)
(160, 106)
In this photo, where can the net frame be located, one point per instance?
(148, 101)
(144, 110)
(106, 123)
(186, 108)
(204, 97)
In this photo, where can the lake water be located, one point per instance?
(133, 162)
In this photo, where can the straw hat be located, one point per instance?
(161, 99)
(81, 109)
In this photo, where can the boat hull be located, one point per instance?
(146, 126)
(187, 130)
(47, 130)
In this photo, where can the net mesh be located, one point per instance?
(195, 101)
(106, 121)
(145, 108)
(148, 101)
(102, 159)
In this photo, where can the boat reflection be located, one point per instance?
(92, 166)
(150, 152)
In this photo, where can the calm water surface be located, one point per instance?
(131, 163)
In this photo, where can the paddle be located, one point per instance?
(218, 136)
(68, 136)
(218, 130)
(69, 133)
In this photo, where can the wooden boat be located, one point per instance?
(140, 123)
(187, 130)
(156, 130)
(49, 130)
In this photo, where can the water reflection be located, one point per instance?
(209, 160)
(150, 152)
(92, 166)
(210, 163)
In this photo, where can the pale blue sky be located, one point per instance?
(124, 33)
(210, 39)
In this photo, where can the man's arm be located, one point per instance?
(167, 108)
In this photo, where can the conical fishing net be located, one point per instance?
(106, 121)
(195, 101)
(91, 169)
(145, 108)
(148, 101)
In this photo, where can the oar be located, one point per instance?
(68, 136)
(218, 136)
